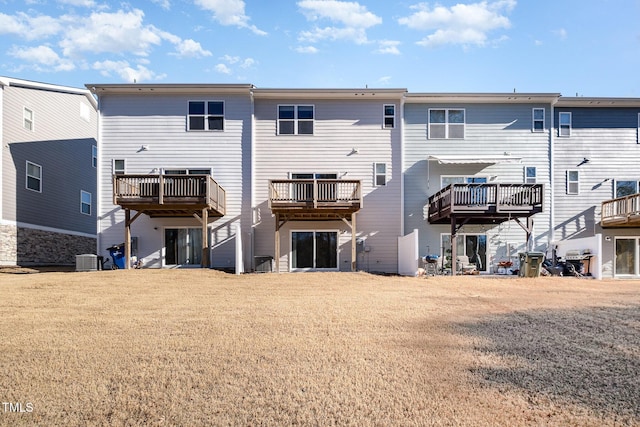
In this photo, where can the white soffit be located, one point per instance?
(477, 159)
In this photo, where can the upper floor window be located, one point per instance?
(380, 174)
(28, 118)
(199, 171)
(538, 119)
(34, 177)
(389, 116)
(94, 156)
(206, 115)
(119, 167)
(626, 187)
(446, 123)
(564, 125)
(85, 202)
(295, 119)
(573, 182)
(530, 174)
(446, 180)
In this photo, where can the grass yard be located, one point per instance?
(200, 347)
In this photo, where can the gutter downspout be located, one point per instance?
(552, 175)
(402, 166)
(99, 169)
(252, 236)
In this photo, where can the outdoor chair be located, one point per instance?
(465, 266)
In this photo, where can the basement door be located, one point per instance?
(314, 250)
(472, 245)
(182, 247)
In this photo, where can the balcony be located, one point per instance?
(169, 195)
(483, 203)
(621, 212)
(315, 198)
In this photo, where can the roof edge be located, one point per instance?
(10, 81)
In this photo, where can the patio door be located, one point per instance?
(472, 245)
(314, 250)
(183, 247)
(627, 256)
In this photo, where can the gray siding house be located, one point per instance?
(596, 151)
(174, 173)
(48, 172)
(477, 166)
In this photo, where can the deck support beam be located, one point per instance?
(352, 226)
(127, 236)
(279, 224)
(528, 229)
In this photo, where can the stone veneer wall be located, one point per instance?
(28, 246)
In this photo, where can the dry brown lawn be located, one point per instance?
(200, 347)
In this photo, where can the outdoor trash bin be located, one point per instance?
(117, 256)
(530, 263)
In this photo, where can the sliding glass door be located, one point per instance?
(472, 245)
(314, 250)
(183, 246)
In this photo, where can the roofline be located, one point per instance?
(597, 102)
(10, 81)
(548, 98)
(99, 88)
(329, 93)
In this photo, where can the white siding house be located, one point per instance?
(351, 139)
(187, 136)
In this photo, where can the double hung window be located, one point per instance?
(530, 174)
(538, 120)
(34, 177)
(28, 118)
(85, 202)
(446, 123)
(389, 116)
(206, 115)
(564, 125)
(573, 182)
(295, 119)
(380, 174)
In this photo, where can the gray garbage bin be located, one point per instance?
(530, 263)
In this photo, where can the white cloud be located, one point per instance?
(561, 33)
(43, 57)
(190, 49)
(223, 69)
(83, 3)
(352, 20)
(388, 47)
(165, 4)
(229, 12)
(306, 49)
(384, 80)
(29, 27)
(466, 24)
(126, 72)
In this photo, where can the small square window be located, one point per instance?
(380, 174)
(573, 182)
(85, 202)
(119, 167)
(206, 115)
(28, 119)
(564, 127)
(296, 119)
(34, 177)
(446, 123)
(538, 120)
(530, 175)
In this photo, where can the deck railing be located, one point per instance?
(485, 197)
(620, 211)
(315, 193)
(174, 189)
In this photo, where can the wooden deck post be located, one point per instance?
(354, 255)
(277, 244)
(205, 239)
(127, 239)
(454, 261)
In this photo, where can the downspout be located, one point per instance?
(402, 165)
(99, 169)
(552, 174)
(252, 182)
(3, 84)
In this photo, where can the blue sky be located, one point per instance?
(590, 48)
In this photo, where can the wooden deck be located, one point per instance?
(621, 212)
(314, 198)
(482, 203)
(169, 195)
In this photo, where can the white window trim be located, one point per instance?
(314, 231)
(526, 178)
(206, 115)
(534, 120)
(31, 120)
(27, 176)
(295, 119)
(82, 193)
(187, 171)
(385, 116)
(569, 192)
(615, 185)
(446, 122)
(560, 114)
(118, 171)
(376, 174)
(465, 177)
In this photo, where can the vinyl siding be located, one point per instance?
(608, 137)
(491, 129)
(61, 143)
(340, 126)
(160, 122)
